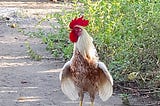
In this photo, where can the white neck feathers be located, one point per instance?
(85, 46)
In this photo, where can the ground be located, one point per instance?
(23, 81)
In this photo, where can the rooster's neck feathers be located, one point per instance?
(85, 46)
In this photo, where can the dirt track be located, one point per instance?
(25, 82)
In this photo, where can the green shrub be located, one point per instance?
(126, 34)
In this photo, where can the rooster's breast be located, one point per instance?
(84, 73)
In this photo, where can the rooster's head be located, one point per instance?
(76, 26)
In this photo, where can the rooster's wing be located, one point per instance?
(67, 83)
(105, 88)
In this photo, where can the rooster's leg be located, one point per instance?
(81, 95)
(92, 103)
(92, 96)
(80, 103)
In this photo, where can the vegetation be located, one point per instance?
(33, 55)
(127, 36)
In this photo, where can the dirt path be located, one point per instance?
(25, 82)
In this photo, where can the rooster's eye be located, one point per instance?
(77, 29)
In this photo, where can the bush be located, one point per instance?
(126, 34)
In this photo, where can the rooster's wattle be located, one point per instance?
(84, 72)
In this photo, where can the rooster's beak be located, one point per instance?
(69, 30)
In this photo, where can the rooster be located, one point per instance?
(84, 73)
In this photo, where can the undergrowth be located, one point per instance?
(126, 35)
(32, 54)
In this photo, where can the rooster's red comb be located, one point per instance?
(78, 21)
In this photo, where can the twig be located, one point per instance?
(126, 87)
(149, 92)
